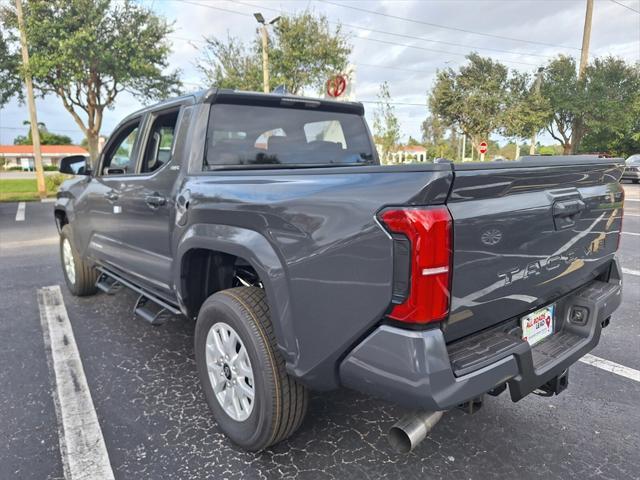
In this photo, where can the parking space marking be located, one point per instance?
(631, 271)
(30, 243)
(612, 367)
(632, 214)
(20, 212)
(632, 200)
(84, 453)
(631, 233)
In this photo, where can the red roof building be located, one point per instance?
(22, 155)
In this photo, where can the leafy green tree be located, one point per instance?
(560, 88)
(46, 137)
(88, 51)
(303, 52)
(525, 111)
(433, 130)
(473, 98)
(231, 64)
(10, 82)
(386, 127)
(611, 113)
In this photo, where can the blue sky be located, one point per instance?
(517, 28)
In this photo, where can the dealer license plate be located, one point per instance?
(537, 325)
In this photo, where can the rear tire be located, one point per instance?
(279, 403)
(79, 276)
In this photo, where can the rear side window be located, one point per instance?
(254, 135)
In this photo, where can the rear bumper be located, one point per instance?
(417, 368)
(627, 175)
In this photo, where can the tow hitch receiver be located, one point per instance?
(554, 386)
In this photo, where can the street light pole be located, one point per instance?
(33, 117)
(536, 91)
(265, 48)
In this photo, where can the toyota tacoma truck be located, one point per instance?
(307, 265)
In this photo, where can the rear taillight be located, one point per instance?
(428, 231)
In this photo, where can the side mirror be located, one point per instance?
(75, 165)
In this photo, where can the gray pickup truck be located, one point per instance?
(307, 265)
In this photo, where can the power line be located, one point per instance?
(368, 65)
(404, 104)
(413, 37)
(446, 27)
(626, 6)
(406, 45)
(369, 39)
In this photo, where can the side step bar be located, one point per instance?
(108, 284)
(148, 306)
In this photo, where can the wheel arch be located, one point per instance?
(216, 250)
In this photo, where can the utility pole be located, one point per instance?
(265, 47)
(586, 38)
(536, 92)
(576, 134)
(33, 117)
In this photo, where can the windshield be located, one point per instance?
(253, 135)
(633, 159)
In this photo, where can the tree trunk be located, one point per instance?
(566, 148)
(576, 136)
(93, 140)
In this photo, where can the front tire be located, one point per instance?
(254, 400)
(79, 276)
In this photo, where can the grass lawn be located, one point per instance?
(20, 190)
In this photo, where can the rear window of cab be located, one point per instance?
(257, 135)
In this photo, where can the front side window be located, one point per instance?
(256, 135)
(119, 159)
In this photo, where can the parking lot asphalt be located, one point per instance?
(156, 423)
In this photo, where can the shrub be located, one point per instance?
(53, 182)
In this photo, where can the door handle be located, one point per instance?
(565, 212)
(111, 196)
(155, 200)
(568, 208)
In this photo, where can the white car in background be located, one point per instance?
(632, 169)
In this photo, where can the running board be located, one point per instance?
(108, 284)
(148, 306)
(150, 311)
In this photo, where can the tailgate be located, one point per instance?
(528, 233)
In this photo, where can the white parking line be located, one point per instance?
(84, 453)
(631, 272)
(632, 200)
(38, 242)
(632, 214)
(612, 367)
(20, 212)
(631, 233)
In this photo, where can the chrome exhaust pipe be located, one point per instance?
(412, 429)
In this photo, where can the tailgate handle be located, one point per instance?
(566, 211)
(568, 208)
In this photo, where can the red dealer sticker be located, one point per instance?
(537, 325)
(336, 86)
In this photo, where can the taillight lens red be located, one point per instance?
(429, 232)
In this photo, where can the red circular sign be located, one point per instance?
(336, 86)
(482, 148)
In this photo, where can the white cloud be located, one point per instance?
(616, 31)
